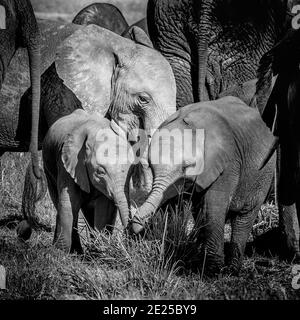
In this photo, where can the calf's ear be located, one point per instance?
(73, 157)
(139, 36)
(213, 152)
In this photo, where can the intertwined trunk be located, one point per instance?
(121, 201)
(149, 207)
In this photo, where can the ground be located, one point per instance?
(115, 267)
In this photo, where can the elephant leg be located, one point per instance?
(34, 191)
(88, 209)
(69, 203)
(288, 226)
(287, 205)
(241, 225)
(76, 245)
(297, 228)
(209, 225)
(105, 213)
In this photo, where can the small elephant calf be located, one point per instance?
(231, 143)
(87, 162)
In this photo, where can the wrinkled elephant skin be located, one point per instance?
(230, 144)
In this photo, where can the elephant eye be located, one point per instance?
(100, 171)
(143, 99)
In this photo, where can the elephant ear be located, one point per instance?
(214, 151)
(173, 117)
(86, 62)
(73, 157)
(139, 36)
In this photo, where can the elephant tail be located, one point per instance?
(203, 11)
(270, 153)
(35, 63)
(31, 39)
(264, 83)
(34, 191)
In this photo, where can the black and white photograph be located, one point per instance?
(150, 151)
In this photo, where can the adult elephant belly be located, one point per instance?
(15, 95)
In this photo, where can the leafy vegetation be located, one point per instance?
(162, 265)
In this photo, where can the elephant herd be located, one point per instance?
(199, 96)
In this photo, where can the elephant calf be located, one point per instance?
(230, 142)
(87, 162)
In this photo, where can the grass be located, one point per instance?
(117, 267)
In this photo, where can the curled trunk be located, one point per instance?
(121, 196)
(149, 207)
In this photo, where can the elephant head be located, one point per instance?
(97, 156)
(214, 45)
(104, 15)
(196, 145)
(130, 81)
(18, 28)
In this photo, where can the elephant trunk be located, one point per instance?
(31, 40)
(146, 211)
(203, 20)
(122, 202)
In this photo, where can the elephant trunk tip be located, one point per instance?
(137, 227)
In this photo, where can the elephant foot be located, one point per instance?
(211, 265)
(231, 270)
(76, 246)
(296, 259)
(24, 230)
(233, 260)
(61, 244)
(76, 249)
(289, 252)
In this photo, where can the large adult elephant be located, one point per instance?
(94, 69)
(215, 46)
(104, 15)
(281, 113)
(18, 28)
